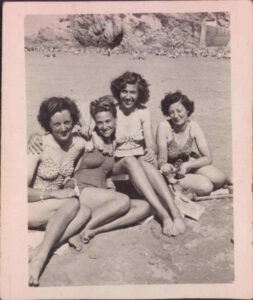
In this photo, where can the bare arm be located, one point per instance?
(202, 145)
(162, 136)
(161, 140)
(33, 161)
(148, 132)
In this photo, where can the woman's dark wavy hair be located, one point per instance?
(53, 105)
(118, 84)
(171, 98)
(105, 103)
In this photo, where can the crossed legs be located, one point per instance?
(110, 210)
(150, 184)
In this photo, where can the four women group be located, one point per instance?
(68, 194)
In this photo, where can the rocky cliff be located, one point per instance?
(131, 32)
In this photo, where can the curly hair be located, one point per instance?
(171, 98)
(53, 105)
(118, 84)
(105, 103)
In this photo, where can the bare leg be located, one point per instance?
(131, 166)
(55, 228)
(217, 178)
(105, 205)
(75, 226)
(138, 211)
(199, 184)
(158, 183)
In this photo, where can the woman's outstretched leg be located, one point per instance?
(139, 210)
(131, 166)
(158, 183)
(55, 228)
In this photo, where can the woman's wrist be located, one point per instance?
(46, 194)
(161, 162)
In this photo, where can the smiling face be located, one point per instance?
(178, 114)
(61, 125)
(105, 123)
(129, 96)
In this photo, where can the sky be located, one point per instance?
(35, 22)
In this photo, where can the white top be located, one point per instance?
(129, 132)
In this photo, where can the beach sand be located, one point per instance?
(141, 254)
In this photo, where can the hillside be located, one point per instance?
(131, 32)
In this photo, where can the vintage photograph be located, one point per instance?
(126, 158)
(129, 136)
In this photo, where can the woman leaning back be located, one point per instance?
(110, 209)
(136, 149)
(176, 138)
(52, 206)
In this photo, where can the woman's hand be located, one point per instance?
(35, 144)
(149, 155)
(65, 193)
(167, 169)
(84, 131)
(184, 168)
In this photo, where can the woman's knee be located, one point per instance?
(122, 203)
(205, 187)
(85, 212)
(71, 206)
(219, 179)
(145, 207)
(130, 162)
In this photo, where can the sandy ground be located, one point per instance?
(141, 254)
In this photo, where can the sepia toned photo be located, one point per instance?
(130, 162)
(155, 179)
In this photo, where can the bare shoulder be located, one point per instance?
(164, 125)
(78, 142)
(144, 113)
(195, 128)
(47, 139)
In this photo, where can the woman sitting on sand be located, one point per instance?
(50, 205)
(135, 152)
(110, 209)
(176, 137)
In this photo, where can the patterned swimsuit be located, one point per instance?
(181, 153)
(51, 175)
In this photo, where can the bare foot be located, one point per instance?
(35, 268)
(169, 228)
(75, 242)
(87, 235)
(179, 224)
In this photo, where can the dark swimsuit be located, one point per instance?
(93, 170)
(178, 153)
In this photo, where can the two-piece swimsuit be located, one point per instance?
(127, 142)
(52, 175)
